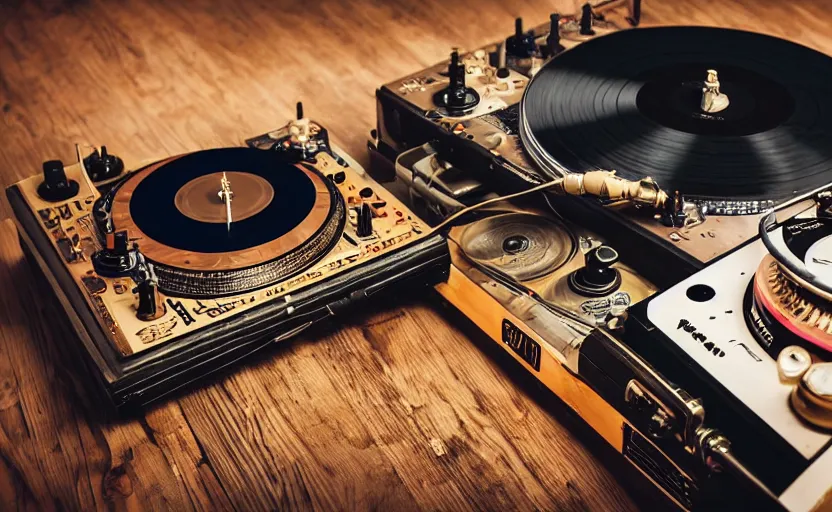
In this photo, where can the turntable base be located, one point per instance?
(437, 420)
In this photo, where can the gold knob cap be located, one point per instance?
(812, 398)
(792, 363)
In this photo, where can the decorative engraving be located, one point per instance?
(220, 308)
(94, 284)
(50, 217)
(156, 332)
(750, 352)
(112, 326)
(599, 308)
(181, 311)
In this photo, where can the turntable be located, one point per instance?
(184, 266)
(632, 101)
(704, 358)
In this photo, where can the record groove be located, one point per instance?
(629, 101)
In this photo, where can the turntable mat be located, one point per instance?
(629, 101)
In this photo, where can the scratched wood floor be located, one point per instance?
(407, 407)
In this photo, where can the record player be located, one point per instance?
(179, 268)
(680, 304)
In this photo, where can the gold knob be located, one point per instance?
(812, 398)
(792, 363)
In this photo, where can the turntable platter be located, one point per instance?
(521, 245)
(632, 101)
(281, 218)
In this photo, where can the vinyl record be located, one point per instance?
(631, 101)
(522, 245)
(283, 217)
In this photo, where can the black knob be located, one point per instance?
(103, 166)
(597, 277)
(553, 46)
(521, 44)
(55, 185)
(586, 20)
(457, 98)
(150, 306)
(515, 244)
(364, 226)
(116, 259)
(299, 110)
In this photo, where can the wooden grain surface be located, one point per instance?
(403, 407)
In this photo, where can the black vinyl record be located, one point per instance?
(154, 209)
(630, 101)
(282, 217)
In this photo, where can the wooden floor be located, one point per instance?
(405, 408)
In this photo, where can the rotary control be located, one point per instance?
(116, 259)
(56, 186)
(102, 166)
(520, 45)
(553, 46)
(364, 225)
(586, 20)
(457, 98)
(597, 278)
(150, 305)
(304, 139)
(812, 398)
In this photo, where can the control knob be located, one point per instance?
(457, 98)
(101, 165)
(586, 20)
(812, 398)
(56, 186)
(116, 259)
(150, 305)
(521, 44)
(553, 46)
(364, 224)
(597, 278)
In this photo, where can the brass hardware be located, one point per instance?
(812, 398)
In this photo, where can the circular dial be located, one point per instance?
(522, 245)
